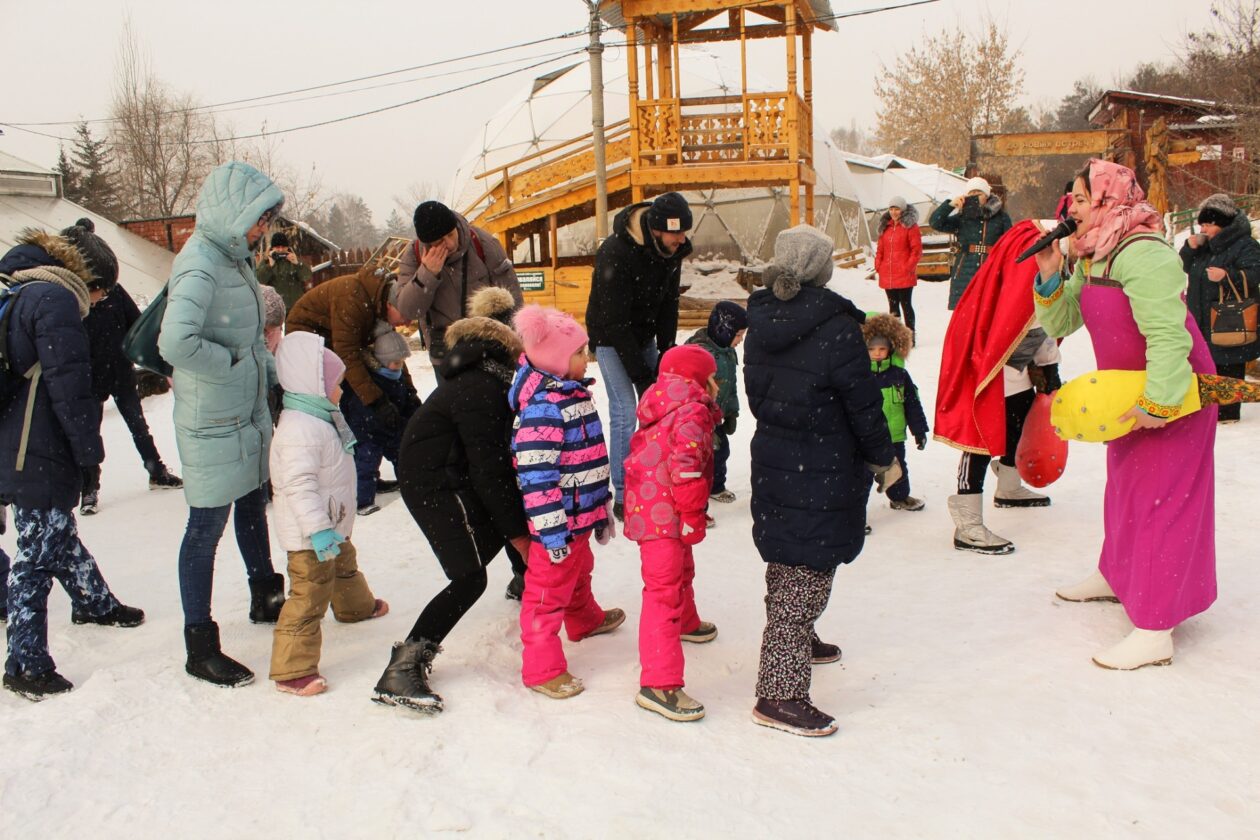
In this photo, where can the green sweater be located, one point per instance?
(1150, 274)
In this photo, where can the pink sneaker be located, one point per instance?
(381, 608)
(307, 686)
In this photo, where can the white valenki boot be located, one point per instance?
(1093, 588)
(969, 531)
(1138, 649)
(1011, 491)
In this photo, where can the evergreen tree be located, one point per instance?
(95, 184)
(396, 225)
(69, 176)
(338, 227)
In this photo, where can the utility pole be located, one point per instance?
(596, 51)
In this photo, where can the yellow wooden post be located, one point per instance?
(807, 54)
(632, 83)
(792, 115)
(553, 238)
(743, 82)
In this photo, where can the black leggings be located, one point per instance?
(899, 305)
(972, 466)
(448, 607)
(1237, 371)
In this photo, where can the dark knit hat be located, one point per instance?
(1218, 209)
(96, 253)
(725, 322)
(433, 220)
(670, 213)
(279, 240)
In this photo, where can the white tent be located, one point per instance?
(30, 196)
(877, 179)
(731, 223)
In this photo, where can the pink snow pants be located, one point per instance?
(669, 610)
(555, 594)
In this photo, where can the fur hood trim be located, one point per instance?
(897, 333)
(909, 218)
(60, 249)
(485, 329)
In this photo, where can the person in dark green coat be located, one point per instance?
(727, 324)
(977, 220)
(1223, 252)
(282, 271)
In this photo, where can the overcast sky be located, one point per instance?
(60, 58)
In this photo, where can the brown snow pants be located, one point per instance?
(312, 586)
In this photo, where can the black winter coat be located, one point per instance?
(45, 327)
(106, 325)
(634, 294)
(455, 462)
(975, 226)
(820, 421)
(1234, 250)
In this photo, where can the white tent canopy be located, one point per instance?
(30, 197)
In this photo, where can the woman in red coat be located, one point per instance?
(897, 257)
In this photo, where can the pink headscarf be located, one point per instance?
(1119, 209)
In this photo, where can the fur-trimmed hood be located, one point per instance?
(492, 302)
(480, 342)
(897, 333)
(60, 249)
(909, 218)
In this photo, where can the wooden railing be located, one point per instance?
(751, 128)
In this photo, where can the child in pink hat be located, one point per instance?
(562, 468)
(668, 475)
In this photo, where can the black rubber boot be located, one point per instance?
(406, 679)
(266, 599)
(515, 587)
(206, 661)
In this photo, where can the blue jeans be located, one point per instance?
(48, 547)
(201, 540)
(721, 453)
(374, 444)
(623, 400)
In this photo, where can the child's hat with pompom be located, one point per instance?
(550, 336)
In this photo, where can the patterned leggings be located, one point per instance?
(48, 547)
(795, 597)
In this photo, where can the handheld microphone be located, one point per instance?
(1064, 228)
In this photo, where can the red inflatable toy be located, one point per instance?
(1042, 455)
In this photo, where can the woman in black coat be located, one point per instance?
(820, 434)
(1222, 253)
(458, 481)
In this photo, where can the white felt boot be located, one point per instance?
(1093, 588)
(1011, 491)
(969, 531)
(1139, 648)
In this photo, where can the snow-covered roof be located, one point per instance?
(1159, 98)
(312, 233)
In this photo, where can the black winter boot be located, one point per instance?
(119, 616)
(206, 661)
(38, 686)
(515, 587)
(266, 599)
(406, 679)
(160, 478)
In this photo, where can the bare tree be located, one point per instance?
(1226, 55)
(416, 192)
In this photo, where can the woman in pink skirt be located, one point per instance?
(1159, 554)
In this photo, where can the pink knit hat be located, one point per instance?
(334, 369)
(689, 361)
(551, 337)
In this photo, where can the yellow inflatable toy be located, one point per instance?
(1088, 408)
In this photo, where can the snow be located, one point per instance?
(712, 280)
(967, 703)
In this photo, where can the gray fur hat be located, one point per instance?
(1217, 209)
(388, 345)
(802, 257)
(274, 311)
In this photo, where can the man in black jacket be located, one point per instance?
(632, 314)
(49, 434)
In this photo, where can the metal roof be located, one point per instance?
(612, 15)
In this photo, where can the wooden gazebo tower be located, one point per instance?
(670, 141)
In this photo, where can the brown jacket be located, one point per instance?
(344, 311)
(435, 301)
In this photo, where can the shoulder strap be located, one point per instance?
(476, 243)
(415, 249)
(1125, 243)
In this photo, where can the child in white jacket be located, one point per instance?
(313, 477)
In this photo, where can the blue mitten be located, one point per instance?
(327, 544)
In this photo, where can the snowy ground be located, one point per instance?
(967, 703)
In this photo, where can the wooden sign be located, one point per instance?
(1050, 143)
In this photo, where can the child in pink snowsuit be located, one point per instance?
(668, 474)
(562, 468)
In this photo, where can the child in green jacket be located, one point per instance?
(888, 342)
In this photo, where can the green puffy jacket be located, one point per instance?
(212, 334)
(976, 231)
(727, 375)
(288, 279)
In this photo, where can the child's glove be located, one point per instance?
(728, 425)
(327, 544)
(920, 441)
(692, 530)
(607, 532)
(886, 477)
(558, 555)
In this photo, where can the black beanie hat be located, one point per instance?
(1218, 209)
(433, 220)
(725, 322)
(670, 213)
(96, 253)
(279, 240)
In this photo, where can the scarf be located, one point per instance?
(395, 375)
(1118, 209)
(62, 277)
(324, 409)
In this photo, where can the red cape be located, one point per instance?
(991, 319)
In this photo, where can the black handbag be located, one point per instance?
(1233, 322)
(140, 344)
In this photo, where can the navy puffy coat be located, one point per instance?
(107, 325)
(65, 428)
(820, 420)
